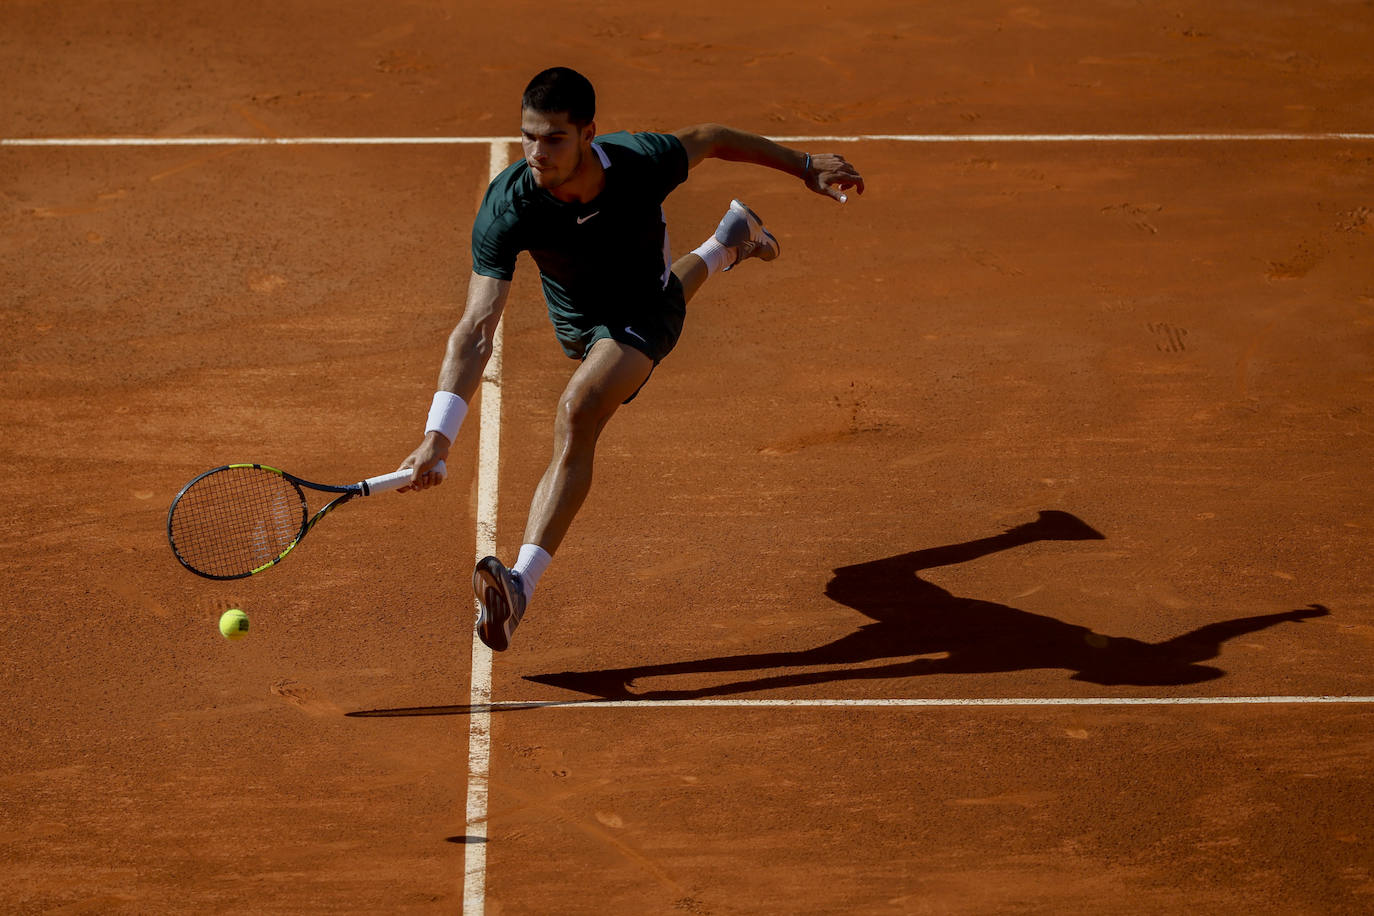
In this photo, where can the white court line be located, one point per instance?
(928, 702)
(251, 141)
(1078, 138)
(856, 138)
(479, 725)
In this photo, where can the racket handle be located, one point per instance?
(385, 483)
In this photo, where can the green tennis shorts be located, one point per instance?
(653, 328)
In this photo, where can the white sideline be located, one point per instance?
(479, 724)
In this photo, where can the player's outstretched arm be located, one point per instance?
(825, 173)
(469, 348)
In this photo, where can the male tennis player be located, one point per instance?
(589, 211)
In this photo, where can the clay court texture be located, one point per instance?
(1004, 546)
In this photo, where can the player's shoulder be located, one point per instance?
(644, 143)
(507, 195)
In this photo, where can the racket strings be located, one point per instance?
(236, 520)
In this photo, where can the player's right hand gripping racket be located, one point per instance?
(241, 519)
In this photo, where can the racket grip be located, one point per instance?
(385, 483)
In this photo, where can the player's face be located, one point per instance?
(554, 147)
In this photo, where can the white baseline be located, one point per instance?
(1214, 137)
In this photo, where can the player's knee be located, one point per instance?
(582, 413)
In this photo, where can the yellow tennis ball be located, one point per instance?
(233, 624)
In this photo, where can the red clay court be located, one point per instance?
(1004, 546)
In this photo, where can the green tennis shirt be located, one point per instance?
(602, 261)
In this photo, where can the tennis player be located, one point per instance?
(588, 209)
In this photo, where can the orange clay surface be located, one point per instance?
(1169, 343)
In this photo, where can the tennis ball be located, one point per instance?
(233, 624)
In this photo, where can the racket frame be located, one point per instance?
(381, 484)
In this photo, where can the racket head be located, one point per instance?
(236, 520)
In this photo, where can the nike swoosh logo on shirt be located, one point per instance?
(635, 336)
(583, 219)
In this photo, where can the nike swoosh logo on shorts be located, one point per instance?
(583, 219)
(631, 332)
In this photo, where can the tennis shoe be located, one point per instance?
(501, 603)
(742, 230)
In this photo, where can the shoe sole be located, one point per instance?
(756, 224)
(487, 586)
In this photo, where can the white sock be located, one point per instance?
(716, 255)
(531, 563)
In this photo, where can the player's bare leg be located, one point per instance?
(611, 373)
(692, 272)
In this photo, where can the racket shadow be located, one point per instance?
(949, 634)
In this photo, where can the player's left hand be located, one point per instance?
(832, 175)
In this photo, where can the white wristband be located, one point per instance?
(446, 414)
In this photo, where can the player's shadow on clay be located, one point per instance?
(954, 635)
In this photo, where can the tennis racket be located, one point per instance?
(241, 519)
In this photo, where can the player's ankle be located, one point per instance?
(529, 566)
(716, 256)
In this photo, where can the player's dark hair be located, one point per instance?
(559, 90)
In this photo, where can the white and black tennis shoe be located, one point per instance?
(742, 230)
(501, 600)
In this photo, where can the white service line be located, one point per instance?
(1240, 137)
(922, 701)
(479, 724)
